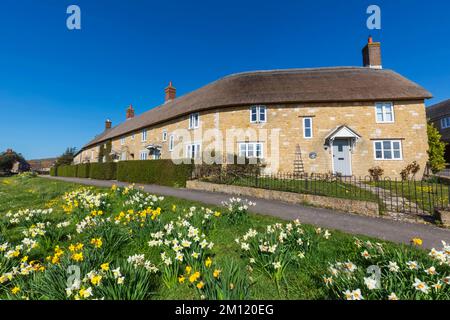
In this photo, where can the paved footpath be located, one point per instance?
(395, 231)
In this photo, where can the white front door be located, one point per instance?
(342, 162)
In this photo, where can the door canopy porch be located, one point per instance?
(342, 132)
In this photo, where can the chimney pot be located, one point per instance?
(171, 92)
(372, 54)
(108, 124)
(130, 112)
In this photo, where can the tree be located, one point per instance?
(436, 149)
(9, 158)
(67, 157)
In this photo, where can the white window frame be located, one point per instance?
(310, 127)
(132, 136)
(171, 142)
(253, 145)
(164, 135)
(144, 135)
(143, 155)
(194, 120)
(123, 156)
(391, 149)
(445, 123)
(259, 110)
(197, 155)
(384, 106)
(122, 141)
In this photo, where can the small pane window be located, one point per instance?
(171, 142)
(164, 135)
(388, 150)
(307, 127)
(258, 114)
(384, 112)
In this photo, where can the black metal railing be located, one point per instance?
(420, 197)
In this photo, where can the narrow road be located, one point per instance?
(395, 231)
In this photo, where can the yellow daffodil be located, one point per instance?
(208, 262)
(77, 256)
(217, 214)
(200, 285)
(216, 273)
(194, 277)
(97, 242)
(105, 266)
(188, 270)
(181, 279)
(95, 280)
(15, 290)
(416, 242)
(174, 207)
(24, 259)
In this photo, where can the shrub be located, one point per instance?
(376, 173)
(436, 149)
(162, 172)
(103, 171)
(67, 171)
(53, 171)
(410, 170)
(83, 170)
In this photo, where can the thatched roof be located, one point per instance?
(439, 110)
(343, 84)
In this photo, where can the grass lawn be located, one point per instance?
(119, 223)
(338, 189)
(427, 195)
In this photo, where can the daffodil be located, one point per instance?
(15, 290)
(200, 285)
(416, 242)
(208, 262)
(105, 266)
(216, 273)
(181, 279)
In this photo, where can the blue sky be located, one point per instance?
(58, 86)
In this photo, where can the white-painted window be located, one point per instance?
(123, 156)
(307, 128)
(445, 123)
(143, 155)
(132, 137)
(122, 141)
(258, 114)
(251, 150)
(384, 112)
(171, 142)
(92, 155)
(164, 135)
(144, 135)
(388, 150)
(193, 151)
(194, 120)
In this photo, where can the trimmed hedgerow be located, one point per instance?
(83, 170)
(53, 171)
(103, 171)
(161, 172)
(67, 171)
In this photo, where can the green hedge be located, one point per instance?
(67, 171)
(83, 170)
(161, 172)
(53, 171)
(103, 171)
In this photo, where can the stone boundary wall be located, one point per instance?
(352, 206)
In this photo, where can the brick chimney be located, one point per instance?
(108, 124)
(372, 54)
(171, 92)
(130, 112)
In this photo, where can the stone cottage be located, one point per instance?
(343, 120)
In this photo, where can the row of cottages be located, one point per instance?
(344, 120)
(439, 115)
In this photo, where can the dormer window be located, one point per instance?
(194, 120)
(384, 112)
(258, 114)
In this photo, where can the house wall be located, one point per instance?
(280, 153)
